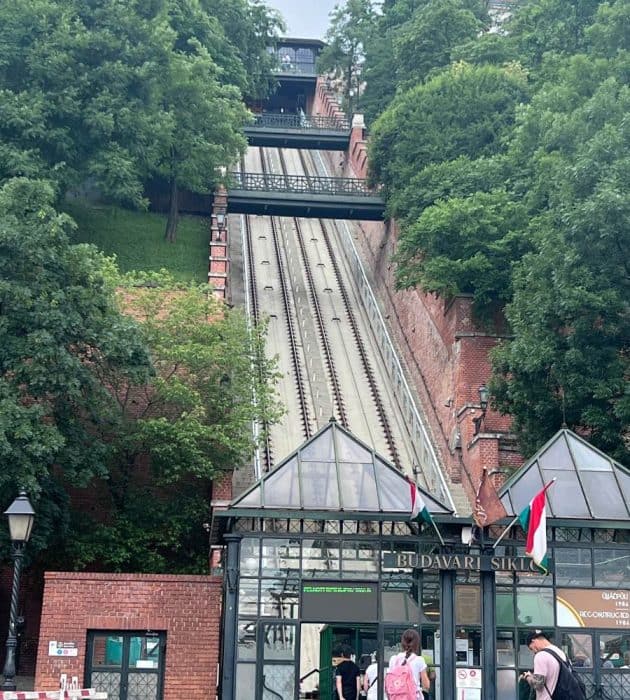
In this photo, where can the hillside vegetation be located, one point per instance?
(135, 239)
(122, 396)
(504, 153)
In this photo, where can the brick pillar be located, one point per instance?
(218, 260)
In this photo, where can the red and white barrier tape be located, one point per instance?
(52, 694)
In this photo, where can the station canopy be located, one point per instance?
(589, 485)
(335, 472)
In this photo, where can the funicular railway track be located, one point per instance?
(329, 376)
(289, 321)
(352, 321)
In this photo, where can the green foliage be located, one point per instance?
(426, 41)
(509, 181)
(135, 239)
(350, 31)
(464, 111)
(570, 311)
(178, 433)
(467, 245)
(142, 409)
(60, 334)
(412, 38)
(114, 92)
(250, 27)
(551, 26)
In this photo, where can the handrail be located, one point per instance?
(300, 121)
(315, 670)
(295, 68)
(300, 184)
(429, 463)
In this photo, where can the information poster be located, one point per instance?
(468, 683)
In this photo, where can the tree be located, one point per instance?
(142, 409)
(464, 111)
(349, 32)
(570, 311)
(409, 39)
(59, 330)
(178, 433)
(110, 93)
(426, 41)
(207, 121)
(251, 28)
(465, 245)
(539, 27)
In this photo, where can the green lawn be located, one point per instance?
(137, 239)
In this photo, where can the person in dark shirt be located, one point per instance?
(347, 676)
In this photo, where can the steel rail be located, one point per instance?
(333, 375)
(267, 447)
(356, 332)
(292, 334)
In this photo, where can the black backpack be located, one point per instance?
(569, 686)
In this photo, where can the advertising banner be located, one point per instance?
(599, 607)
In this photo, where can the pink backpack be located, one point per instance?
(400, 684)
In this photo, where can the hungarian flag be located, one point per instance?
(418, 510)
(533, 520)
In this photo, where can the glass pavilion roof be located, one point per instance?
(589, 485)
(334, 471)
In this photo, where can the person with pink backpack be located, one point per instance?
(407, 677)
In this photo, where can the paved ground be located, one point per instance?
(25, 682)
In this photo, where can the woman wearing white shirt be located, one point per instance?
(410, 643)
(370, 679)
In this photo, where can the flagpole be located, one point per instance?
(438, 532)
(504, 533)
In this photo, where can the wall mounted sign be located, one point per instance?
(339, 601)
(457, 562)
(599, 607)
(63, 649)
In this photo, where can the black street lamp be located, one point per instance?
(21, 516)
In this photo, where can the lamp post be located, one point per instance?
(20, 515)
(484, 395)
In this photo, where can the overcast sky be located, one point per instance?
(305, 19)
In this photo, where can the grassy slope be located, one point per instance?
(137, 239)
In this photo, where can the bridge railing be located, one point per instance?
(300, 184)
(296, 121)
(295, 68)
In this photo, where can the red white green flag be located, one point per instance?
(418, 508)
(533, 520)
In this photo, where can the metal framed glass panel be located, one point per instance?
(573, 566)
(126, 665)
(611, 567)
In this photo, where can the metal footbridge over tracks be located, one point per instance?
(304, 196)
(299, 131)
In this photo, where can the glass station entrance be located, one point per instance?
(320, 552)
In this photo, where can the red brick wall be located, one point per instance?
(187, 608)
(325, 103)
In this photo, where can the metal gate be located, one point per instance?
(126, 665)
